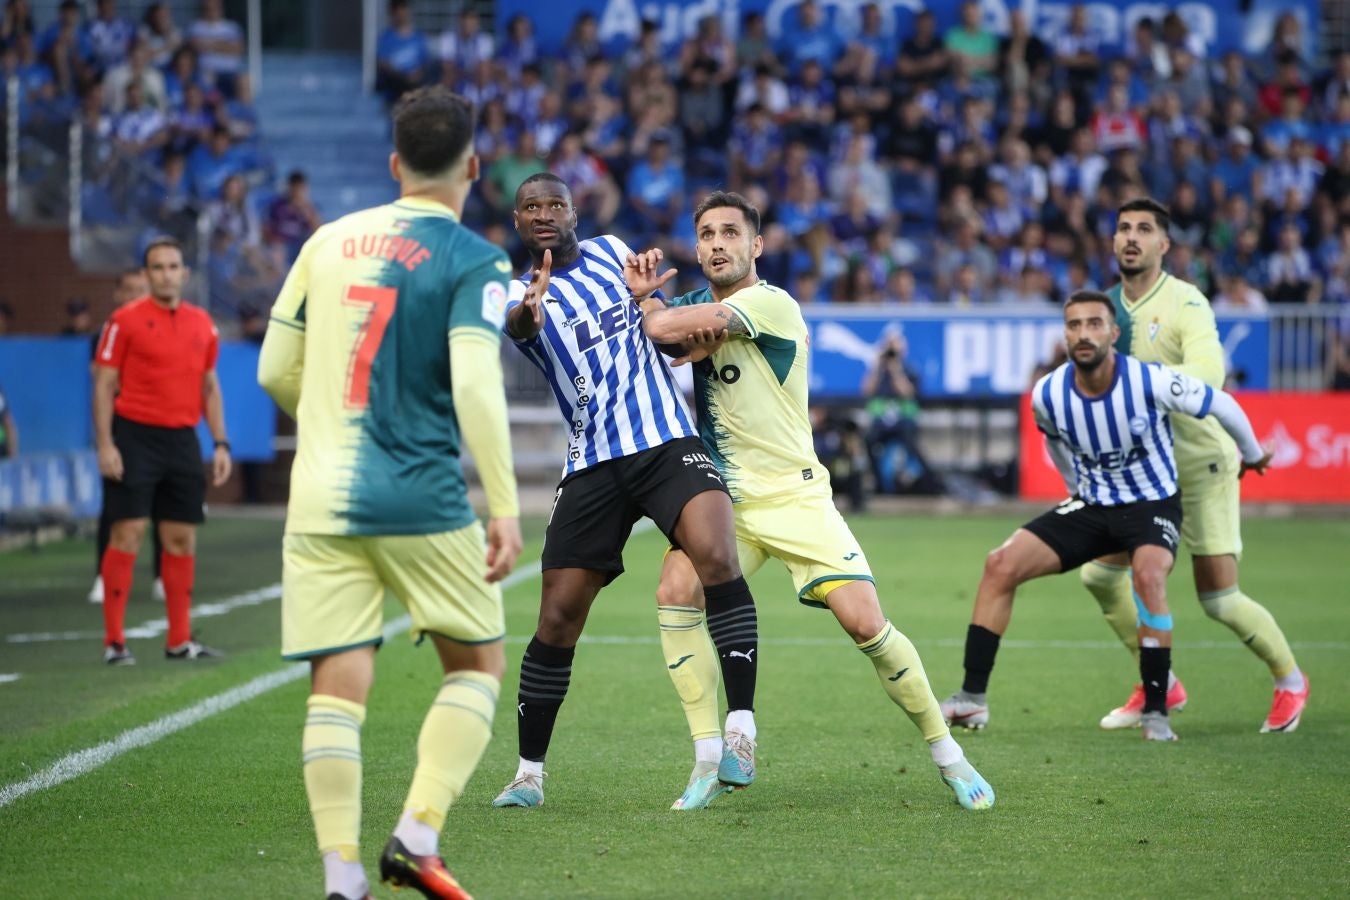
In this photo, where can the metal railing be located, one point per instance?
(1303, 342)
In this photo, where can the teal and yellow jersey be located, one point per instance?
(377, 295)
(752, 398)
(1173, 324)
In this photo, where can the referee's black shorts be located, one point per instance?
(162, 475)
(1080, 532)
(595, 509)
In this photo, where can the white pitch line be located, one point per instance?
(841, 641)
(82, 762)
(10, 677)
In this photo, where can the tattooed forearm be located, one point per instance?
(734, 323)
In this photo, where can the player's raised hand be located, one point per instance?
(639, 270)
(110, 462)
(534, 294)
(503, 546)
(1259, 467)
(700, 345)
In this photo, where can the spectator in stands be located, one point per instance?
(138, 68)
(902, 287)
(859, 172)
(219, 43)
(1235, 172)
(594, 193)
(16, 20)
(1290, 277)
(403, 58)
(168, 200)
(140, 129)
(1025, 180)
(9, 431)
(183, 71)
(891, 387)
(762, 86)
(967, 288)
(1238, 296)
(109, 36)
(655, 188)
(238, 114)
(971, 43)
(79, 320)
(582, 43)
(519, 49)
(1234, 82)
(840, 447)
(211, 163)
(965, 250)
(1116, 126)
(506, 174)
(160, 35)
(291, 219)
(233, 214)
(923, 58)
(753, 47)
(806, 36)
(755, 146)
(65, 47)
(709, 43)
(1288, 79)
(1336, 83)
(1078, 57)
(1032, 287)
(1078, 171)
(468, 45)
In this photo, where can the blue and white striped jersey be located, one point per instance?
(614, 388)
(1121, 442)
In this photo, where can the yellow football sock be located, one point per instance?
(692, 664)
(1254, 625)
(903, 678)
(1114, 592)
(454, 735)
(332, 762)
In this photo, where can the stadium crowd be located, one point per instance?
(960, 167)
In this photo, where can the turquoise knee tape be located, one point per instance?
(1157, 623)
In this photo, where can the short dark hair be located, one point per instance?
(432, 128)
(156, 243)
(1161, 214)
(729, 199)
(1092, 297)
(544, 176)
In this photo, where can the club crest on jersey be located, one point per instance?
(1153, 328)
(1138, 425)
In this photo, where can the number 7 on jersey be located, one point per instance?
(381, 302)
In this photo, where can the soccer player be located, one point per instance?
(750, 342)
(1163, 319)
(384, 344)
(155, 376)
(1106, 423)
(632, 451)
(131, 284)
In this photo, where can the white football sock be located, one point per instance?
(419, 837)
(708, 750)
(742, 720)
(529, 767)
(946, 751)
(1291, 682)
(345, 878)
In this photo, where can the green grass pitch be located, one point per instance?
(847, 803)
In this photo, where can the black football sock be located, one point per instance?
(545, 674)
(733, 626)
(981, 648)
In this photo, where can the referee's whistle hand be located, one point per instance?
(503, 549)
(110, 462)
(220, 467)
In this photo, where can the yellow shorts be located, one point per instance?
(1211, 513)
(809, 536)
(332, 589)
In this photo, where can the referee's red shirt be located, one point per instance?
(162, 355)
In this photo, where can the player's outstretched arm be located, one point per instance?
(1179, 392)
(1235, 422)
(524, 320)
(674, 326)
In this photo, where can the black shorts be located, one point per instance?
(1080, 532)
(162, 475)
(595, 509)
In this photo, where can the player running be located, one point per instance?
(632, 451)
(749, 342)
(386, 338)
(1105, 419)
(1163, 319)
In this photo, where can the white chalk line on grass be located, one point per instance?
(9, 677)
(82, 762)
(156, 627)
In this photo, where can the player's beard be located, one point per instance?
(1094, 362)
(733, 274)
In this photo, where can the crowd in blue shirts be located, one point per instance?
(170, 132)
(920, 165)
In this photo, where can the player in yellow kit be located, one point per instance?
(384, 344)
(749, 345)
(1166, 320)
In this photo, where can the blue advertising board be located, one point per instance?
(978, 355)
(47, 383)
(1222, 25)
(66, 481)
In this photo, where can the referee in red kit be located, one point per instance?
(155, 375)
